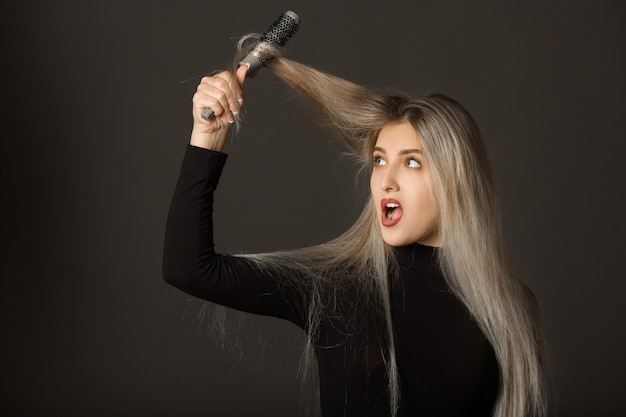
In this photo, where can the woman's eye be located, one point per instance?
(379, 161)
(413, 163)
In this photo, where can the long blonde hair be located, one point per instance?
(472, 258)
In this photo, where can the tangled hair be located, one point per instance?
(472, 256)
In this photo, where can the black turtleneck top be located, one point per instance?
(446, 365)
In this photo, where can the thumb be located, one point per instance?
(241, 73)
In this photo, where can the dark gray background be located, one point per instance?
(96, 115)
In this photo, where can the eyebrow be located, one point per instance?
(402, 152)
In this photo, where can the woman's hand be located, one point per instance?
(222, 93)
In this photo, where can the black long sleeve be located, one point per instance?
(189, 260)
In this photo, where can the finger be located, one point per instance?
(229, 86)
(205, 108)
(215, 93)
(240, 75)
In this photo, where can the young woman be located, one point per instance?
(414, 311)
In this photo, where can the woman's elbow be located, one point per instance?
(179, 276)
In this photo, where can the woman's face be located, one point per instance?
(401, 188)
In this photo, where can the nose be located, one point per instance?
(389, 181)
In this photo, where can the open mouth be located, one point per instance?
(391, 212)
(389, 209)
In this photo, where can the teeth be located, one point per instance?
(392, 205)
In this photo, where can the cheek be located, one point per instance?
(431, 209)
(426, 203)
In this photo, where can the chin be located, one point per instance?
(398, 240)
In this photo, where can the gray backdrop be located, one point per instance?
(96, 117)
